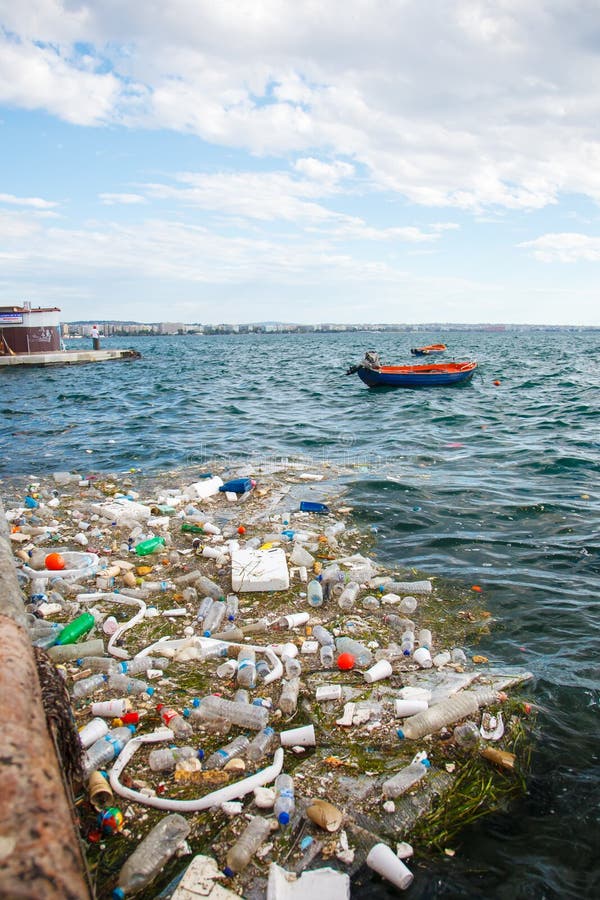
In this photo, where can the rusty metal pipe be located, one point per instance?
(40, 853)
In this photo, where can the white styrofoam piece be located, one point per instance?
(201, 880)
(323, 883)
(207, 487)
(259, 570)
(119, 509)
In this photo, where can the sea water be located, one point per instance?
(488, 484)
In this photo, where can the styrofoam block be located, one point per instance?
(327, 883)
(259, 570)
(200, 490)
(119, 510)
(200, 880)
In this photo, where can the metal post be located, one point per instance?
(40, 853)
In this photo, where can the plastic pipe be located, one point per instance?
(216, 798)
(125, 601)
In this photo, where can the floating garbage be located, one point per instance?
(271, 671)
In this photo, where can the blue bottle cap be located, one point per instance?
(426, 762)
(118, 894)
(150, 691)
(131, 728)
(195, 702)
(283, 818)
(200, 753)
(400, 734)
(229, 872)
(186, 713)
(207, 633)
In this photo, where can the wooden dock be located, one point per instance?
(66, 357)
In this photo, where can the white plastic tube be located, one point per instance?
(215, 798)
(125, 601)
(167, 644)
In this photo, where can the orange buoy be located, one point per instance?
(496, 383)
(55, 562)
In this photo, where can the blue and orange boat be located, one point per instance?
(373, 374)
(426, 351)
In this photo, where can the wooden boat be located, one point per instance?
(435, 374)
(425, 351)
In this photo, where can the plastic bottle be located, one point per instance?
(446, 712)
(408, 643)
(398, 623)
(370, 603)
(104, 664)
(407, 605)
(348, 596)
(292, 666)
(151, 856)
(88, 686)
(203, 609)
(142, 664)
(362, 655)
(284, 805)
(145, 548)
(467, 735)
(126, 685)
(166, 759)
(262, 669)
(424, 638)
(76, 629)
(175, 721)
(326, 654)
(214, 617)
(246, 715)
(92, 732)
(331, 578)
(241, 696)
(285, 623)
(405, 779)
(232, 606)
(189, 594)
(192, 528)
(254, 835)
(246, 670)
(323, 636)
(288, 699)
(106, 748)
(261, 744)
(111, 708)
(206, 586)
(59, 653)
(314, 592)
(237, 747)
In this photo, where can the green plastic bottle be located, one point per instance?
(145, 548)
(192, 529)
(76, 629)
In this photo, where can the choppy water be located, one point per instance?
(497, 485)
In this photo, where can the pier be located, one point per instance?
(66, 357)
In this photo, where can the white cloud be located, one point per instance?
(568, 247)
(34, 202)
(125, 199)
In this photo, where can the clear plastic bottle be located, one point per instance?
(88, 686)
(398, 623)
(175, 721)
(166, 758)
(254, 835)
(59, 653)
(331, 578)
(292, 620)
(326, 655)
(151, 856)
(467, 735)
(141, 664)
(235, 748)
(241, 696)
(288, 699)
(370, 603)
(206, 586)
(363, 657)
(292, 666)
(214, 617)
(407, 587)
(424, 638)
(407, 605)
(405, 779)
(446, 712)
(203, 609)
(232, 606)
(284, 805)
(407, 644)
(189, 594)
(99, 664)
(314, 592)
(106, 748)
(323, 636)
(126, 685)
(261, 744)
(246, 715)
(347, 598)
(246, 670)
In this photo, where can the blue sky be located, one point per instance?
(350, 161)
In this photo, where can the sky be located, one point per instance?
(359, 161)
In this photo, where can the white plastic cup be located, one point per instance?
(93, 731)
(298, 737)
(382, 669)
(110, 625)
(404, 708)
(384, 861)
(111, 708)
(422, 657)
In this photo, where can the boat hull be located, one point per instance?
(427, 351)
(417, 376)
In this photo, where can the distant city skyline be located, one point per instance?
(338, 162)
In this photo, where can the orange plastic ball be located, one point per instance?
(475, 587)
(345, 662)
(241, 530)
(496, 383)
(55, 562)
